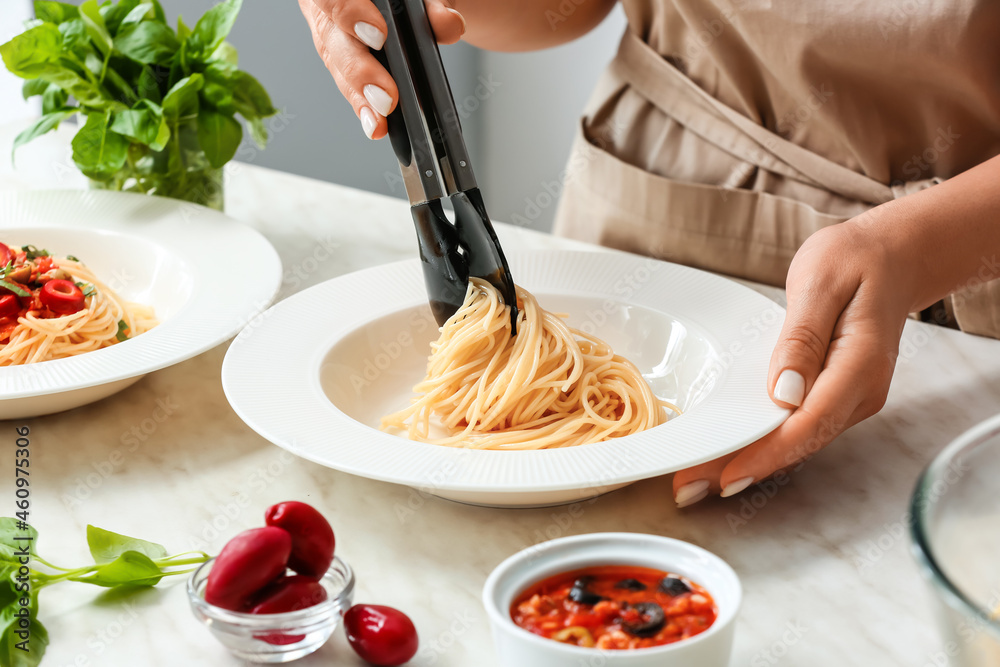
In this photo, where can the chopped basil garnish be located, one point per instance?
(15, 288)
(31, 252)
(87, 289)
(122, 328)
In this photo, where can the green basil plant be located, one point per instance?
(158, 104)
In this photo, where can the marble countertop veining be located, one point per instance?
(824, 558)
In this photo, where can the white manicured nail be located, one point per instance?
(790, 387)
(690, 490)
(368, 122)
(736, 487)
(692, 500)
(379, 99)
(369, 34)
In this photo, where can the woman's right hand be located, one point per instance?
(343, 31)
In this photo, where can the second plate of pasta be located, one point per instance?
(661, 367)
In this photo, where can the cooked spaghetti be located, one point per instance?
(549, 386)
(55, 307)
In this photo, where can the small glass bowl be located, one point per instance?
(275, 638)
(956, 538)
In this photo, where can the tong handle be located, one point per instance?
(430, 133)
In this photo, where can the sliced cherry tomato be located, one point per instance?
(62, 297)
(5, 254)
(10, 305)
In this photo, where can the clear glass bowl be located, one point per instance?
(956, 535)
(275, 638)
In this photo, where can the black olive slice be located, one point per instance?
(583, 595)
(673, 586)
(651, 620)
(631, 585)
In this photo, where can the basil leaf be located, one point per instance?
(54, 99)
(31, 252)
(74, 37)
(182, 99)
(257, 131)
(14, 287)
(226, 53)
(97, 151)
(148, 86)
(158, 14)
(148, 42)
(10, 653)
(137, 14)
(33, 87)
(218, 88)
(212, 28)
(9, 531)
(183, 32)
(84, 92)
(46, 123)
(219, 136)
(55, 12)
(90, 14)
(106, 546)
(33, 52)
(115, 15)
(250, 98)
(131, 568)
(122, 336)
(144, 124)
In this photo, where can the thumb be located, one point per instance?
(802, 346)
(447, 23)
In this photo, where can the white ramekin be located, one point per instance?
(516, 647)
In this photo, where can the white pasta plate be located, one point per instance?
(344, 353)
(206, 275)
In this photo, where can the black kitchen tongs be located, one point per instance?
(426, 136)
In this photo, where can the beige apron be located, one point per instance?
(662, 167)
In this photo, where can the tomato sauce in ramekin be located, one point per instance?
(615, 607)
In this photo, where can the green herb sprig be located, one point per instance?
(119, 561)
(136, 80)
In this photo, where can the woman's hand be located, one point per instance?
(343, 31)
(848, 297)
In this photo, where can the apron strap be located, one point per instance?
(651, 75)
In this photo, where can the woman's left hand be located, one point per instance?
(848, 298)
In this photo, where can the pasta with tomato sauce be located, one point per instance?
(55, 307)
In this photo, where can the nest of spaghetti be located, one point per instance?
(55, 307)
(549, 386)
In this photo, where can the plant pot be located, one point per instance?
(179, 171)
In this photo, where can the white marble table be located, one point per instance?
(824, 559)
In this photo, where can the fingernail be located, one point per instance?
(378, 98)
(459, 15)
(369, 34)
(368, 122)
(690, 490)
(693, 499)
(790, 387)
(736, 487)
